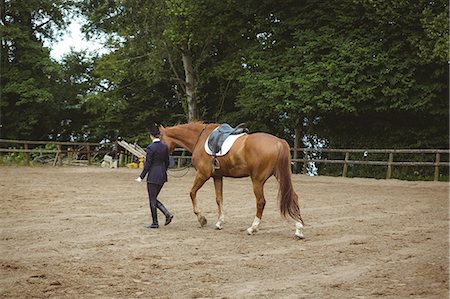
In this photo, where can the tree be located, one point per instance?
(71, 88)
(350, 72)
(166, 41)
(28, 75)
(354, 69)
(191, 48)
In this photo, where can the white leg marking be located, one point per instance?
(219, 225)
(254, 228)
(220, 222)
(298, 230)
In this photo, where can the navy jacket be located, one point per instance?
(156, 163)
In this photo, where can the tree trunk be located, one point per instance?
(190, 83)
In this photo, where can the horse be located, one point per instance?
(258, 155)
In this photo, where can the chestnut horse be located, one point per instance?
(258, 155)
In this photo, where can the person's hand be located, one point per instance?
(138, 179)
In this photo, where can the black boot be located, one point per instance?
(154, 217)
(166, 213)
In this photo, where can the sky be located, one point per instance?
(74, 39)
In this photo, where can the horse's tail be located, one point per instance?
(287, 197)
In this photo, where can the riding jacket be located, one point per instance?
(156, 163)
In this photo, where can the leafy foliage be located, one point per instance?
(351, 64)
(348, 73)
(29, 78)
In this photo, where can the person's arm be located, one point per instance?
(148, 162)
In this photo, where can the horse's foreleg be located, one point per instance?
(260, 204)
(218, 186)
(198, 183)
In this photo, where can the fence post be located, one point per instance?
(180, 160)
(88, 149)
(437, 161)
(60, 162)
(116, 150)
(345, 168)
(305, 162)
(295, 156)
(69, 156)
(389, 168)
(27, 154)
(297, 141)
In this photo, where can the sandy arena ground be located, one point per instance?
(79, 233)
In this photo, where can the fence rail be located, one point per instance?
(76, 152)
(389, 163)
(88, 150)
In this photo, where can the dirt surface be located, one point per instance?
(79, 233)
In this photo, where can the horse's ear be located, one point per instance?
(162, 128)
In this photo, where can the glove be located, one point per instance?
(138, 179)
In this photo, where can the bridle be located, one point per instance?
(188, 166)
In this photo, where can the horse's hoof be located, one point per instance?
(249, 231)
(299, 236)
(218, 226)
(202, 220)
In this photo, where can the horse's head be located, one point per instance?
(186, 135)
(170, 142)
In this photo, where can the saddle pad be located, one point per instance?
(226, 146)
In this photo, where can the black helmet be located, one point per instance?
(154, 130)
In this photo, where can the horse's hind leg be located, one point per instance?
(198, 183)
(218, 186)
(298, 230)
(258, 189)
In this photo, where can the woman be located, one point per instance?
(155, 167)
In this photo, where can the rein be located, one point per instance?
(172, 171)
(198, 138)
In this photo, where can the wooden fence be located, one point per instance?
(365, 154)
(76, 153)
(54, 151)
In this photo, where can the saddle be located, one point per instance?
(218, 136)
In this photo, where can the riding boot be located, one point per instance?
(165, 212)
(154, 217)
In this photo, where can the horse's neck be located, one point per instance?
(187, 135)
